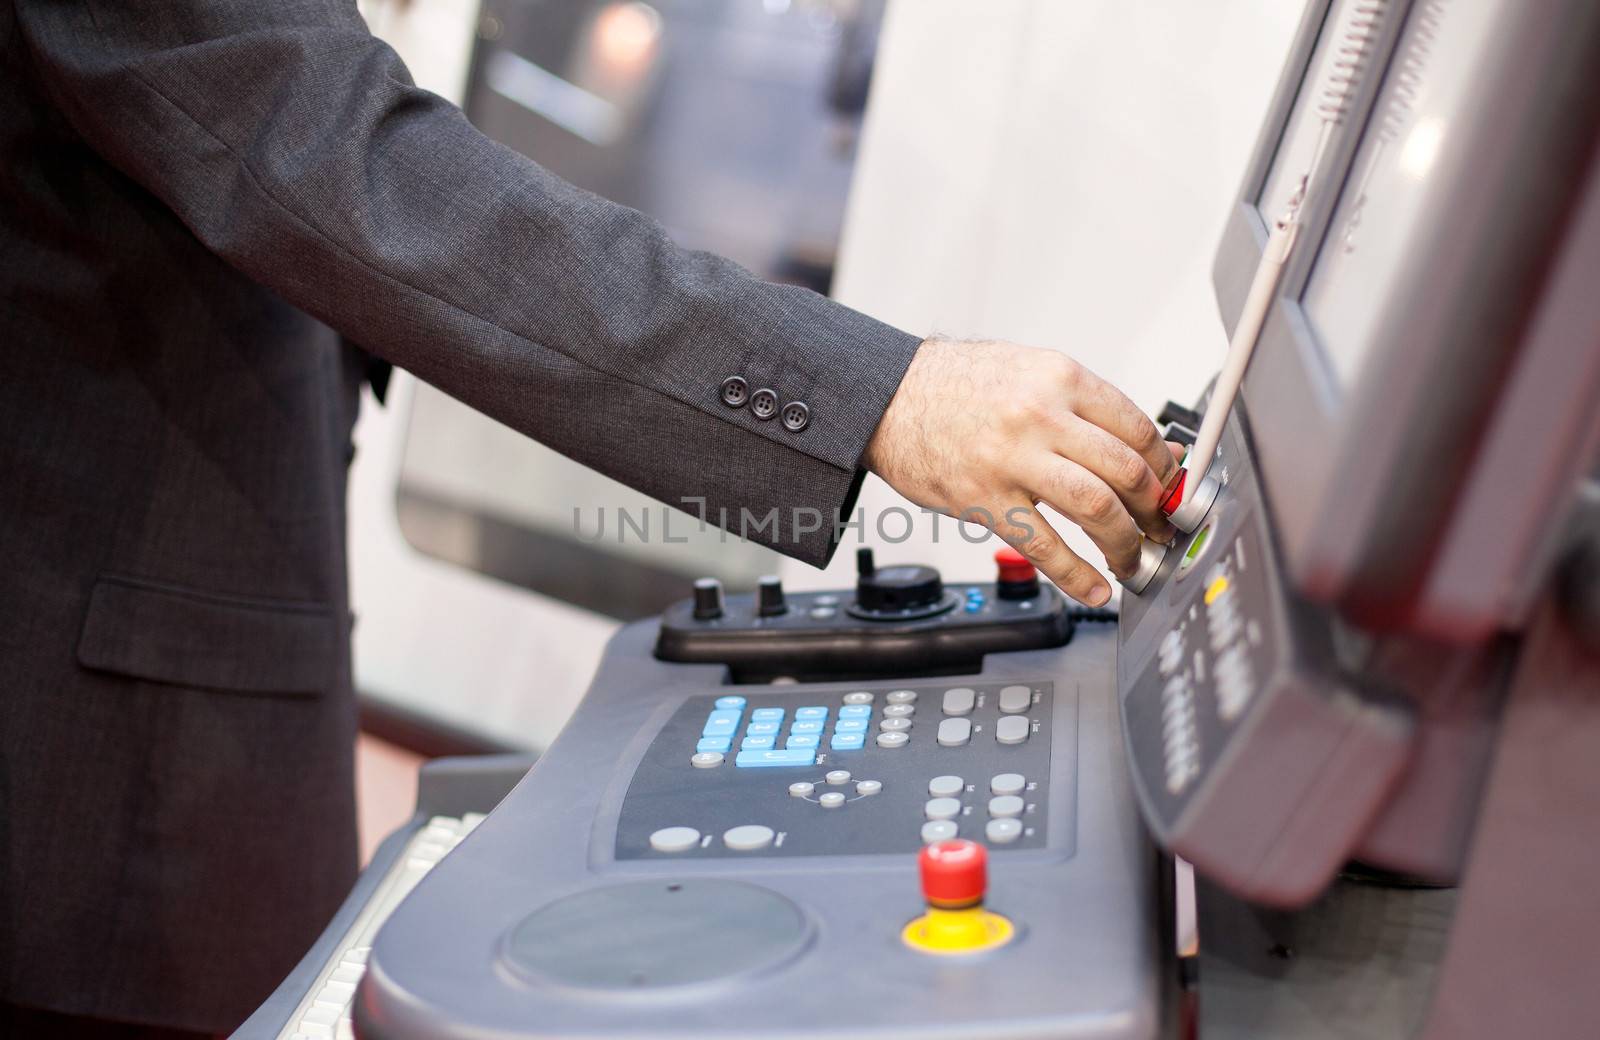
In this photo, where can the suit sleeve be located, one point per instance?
(294, 145)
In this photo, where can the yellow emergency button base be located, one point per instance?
(972, 930)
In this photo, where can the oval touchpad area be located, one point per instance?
(653, 934)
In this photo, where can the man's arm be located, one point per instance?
(294, 145)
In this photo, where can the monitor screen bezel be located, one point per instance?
(1353, 476)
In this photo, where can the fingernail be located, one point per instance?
(1165, 534)
(1099, 595)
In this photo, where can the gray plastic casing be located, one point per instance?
(1091, 958)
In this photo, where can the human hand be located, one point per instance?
(984, 431)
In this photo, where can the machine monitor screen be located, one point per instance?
(1444, 147)
(1348, 33)
(1379, 223)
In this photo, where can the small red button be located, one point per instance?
(1174, 496)
(954, 873)
(1014, 567)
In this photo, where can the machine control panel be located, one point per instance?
(690, 854)
(899, 620)
(1256, 755)
(879, 769)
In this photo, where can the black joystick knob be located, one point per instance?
(769, 597)
(707, 599)
(898, 590)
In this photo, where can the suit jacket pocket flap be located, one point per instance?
(171, 634)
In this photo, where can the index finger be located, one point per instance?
(1110, 409)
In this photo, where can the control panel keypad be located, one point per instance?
(844, 771)
(1203, 674)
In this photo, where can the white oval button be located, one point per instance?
(674, 839)
(748, 838)
(1005, 805)
(1003, 832)
(1008, 783)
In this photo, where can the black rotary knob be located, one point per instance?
(707, 599)
(769, 597)
(909, 590)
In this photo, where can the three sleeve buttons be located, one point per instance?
(736, 393)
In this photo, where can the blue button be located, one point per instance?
(721, 723)
(973, 606)
(803, 740)
(806, 726)
(757, 743)
(730, 702)
(811, 713)
(762, 759)
(847, 741)
(856, 711)
(763, 729)
(767, 715)
(850, 726)
(714, 744)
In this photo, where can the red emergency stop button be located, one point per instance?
(1016, 578)
(1174, 496)
(954, 873)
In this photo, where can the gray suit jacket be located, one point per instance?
(194, 198)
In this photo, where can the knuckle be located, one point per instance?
(1018, 413)
(1077, 579)
(1148, 436)
(1098, 505)
(1127, 469)
(1067, 371)
(1038, 547)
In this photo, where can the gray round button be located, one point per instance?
(836, 777)
(823, 613)
(802, 789)
(858, 697)
(706, 759)
(893, 740)
(894, 725)
(735, 392)
(1003, 832)
(938, 830)
(1005, 805)
(946, 786)
(747, 837)
(942, 809)
(899, 711)
(1008, 783)
(869, 787)
(674, 839)
(901, 697)
(832, 800)
(828, 599)
(796, 416)
(763, 404)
